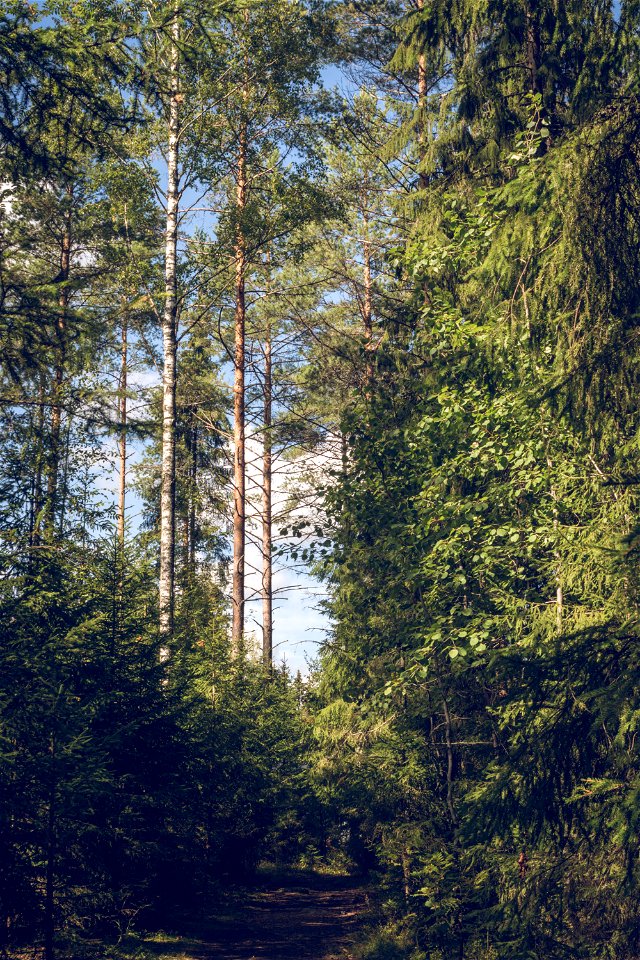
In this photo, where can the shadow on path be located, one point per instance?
(303, 918)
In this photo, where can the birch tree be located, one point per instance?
(169, 338)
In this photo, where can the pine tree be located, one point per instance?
(274, 58)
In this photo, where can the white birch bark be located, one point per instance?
(169, 346)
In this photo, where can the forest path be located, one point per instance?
(304, 918)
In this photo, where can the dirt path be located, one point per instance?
(314, 918)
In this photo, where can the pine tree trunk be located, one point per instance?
(239, 459)
(58, 381)
(37, 492)
(532, 49)
(122, 441)
(267, 505)
(367, 305)
(169, 342)
(367, 313)
(423, 89)
(62, 495)
(192, 499)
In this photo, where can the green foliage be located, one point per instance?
(463, 356)
(386, 945)
(73, 64)
(483, 579)
(128, 787)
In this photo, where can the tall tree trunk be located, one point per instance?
(185, 520)
(169, 342)
(239, 458)
(122, 440)
(193, 498)
(58, 378)
(367, 313)
(186, 541)
(450, 760)
(367, 303)
(37, 493)
(423, 89)
(532, 48)
(267, 505)
(63, 487)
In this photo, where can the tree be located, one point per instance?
(274, 55)
(169, 335)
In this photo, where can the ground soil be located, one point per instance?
(297, 918)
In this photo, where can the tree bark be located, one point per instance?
(367, 304)
(63, 488)
(239, 457)
(450, 761)
(267, 506)
(368, 308)
(423, 89)
(169, 343)
(122, 440)
(193, 498)
(37, 492)
(532, 49)
(58, 378)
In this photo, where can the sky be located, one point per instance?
(300, 624)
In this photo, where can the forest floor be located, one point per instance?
(300, 917)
